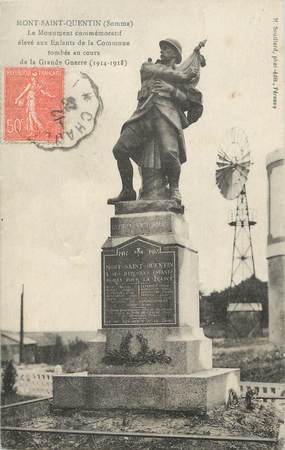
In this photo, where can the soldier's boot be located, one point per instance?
(175, 194)
(173, 170)
(126, 173)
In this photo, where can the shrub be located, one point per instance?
(9, 378)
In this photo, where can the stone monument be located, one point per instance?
(151, 352)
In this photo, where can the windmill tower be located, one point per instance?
(233, 164)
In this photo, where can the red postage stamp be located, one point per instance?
(31, 96)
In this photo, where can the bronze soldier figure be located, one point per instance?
(153, 137)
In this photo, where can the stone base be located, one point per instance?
(196, 393)
(139, 206)
(190, 351)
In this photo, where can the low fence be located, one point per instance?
(36, 383)
(266, 391)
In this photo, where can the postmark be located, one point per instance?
(29, 96)
(77, 116)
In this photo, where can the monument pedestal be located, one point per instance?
(188, 352)
(151, 351)
(198, 392)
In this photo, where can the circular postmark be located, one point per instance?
(78, 113)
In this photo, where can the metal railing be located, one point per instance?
(191, 437)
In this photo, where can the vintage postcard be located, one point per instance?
(142, 224)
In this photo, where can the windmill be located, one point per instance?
(232, 169)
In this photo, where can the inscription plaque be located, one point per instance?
(125, 226)
(139, 284)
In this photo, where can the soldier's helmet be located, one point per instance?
(174, 43)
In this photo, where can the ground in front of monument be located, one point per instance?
(255, 356)
(233, 421)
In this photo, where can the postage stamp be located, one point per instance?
(30, 94)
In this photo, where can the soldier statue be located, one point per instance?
(168, 102)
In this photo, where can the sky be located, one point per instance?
(53, 204)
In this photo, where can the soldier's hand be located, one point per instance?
(161, 87)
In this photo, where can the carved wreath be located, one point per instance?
(145, 355)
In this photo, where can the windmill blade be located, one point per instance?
(221, 170)
(231, 181)
(222, 166)
(224, 173)
(233, 164)
(223, 153)
(245, 164)
(245, 156)
(223, 176)
(242, 170)
(223, 163)
(225, 183)
(224, 156)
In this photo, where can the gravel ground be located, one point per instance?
(237, 421)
